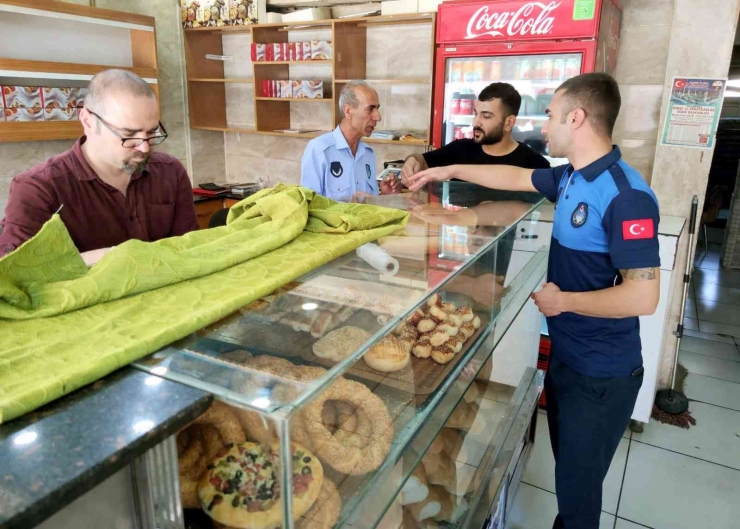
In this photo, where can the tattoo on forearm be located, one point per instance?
(639, 274)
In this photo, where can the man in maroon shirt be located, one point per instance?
(110, 187)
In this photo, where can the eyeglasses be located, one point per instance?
(132, 143)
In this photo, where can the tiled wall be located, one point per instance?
(643, 51)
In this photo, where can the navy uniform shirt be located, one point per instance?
(606, 220)
(329, 168)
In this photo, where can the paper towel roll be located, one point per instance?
(376, 257)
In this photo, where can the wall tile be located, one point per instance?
(54, 147)
(319, 116)
(18, 157)
(206, 143)
(239, 47)
(409, 107)
(277, 148)
(640, 113)
(170, 58)
(414, 58)
(637, 65)
(240, 104)
(172, 102)
(4, 193)
(647, 13)
(639, 154)
(176, 143)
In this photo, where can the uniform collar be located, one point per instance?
(595, 168)
(83, 171)
(341, 142)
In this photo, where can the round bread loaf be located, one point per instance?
(388, 355)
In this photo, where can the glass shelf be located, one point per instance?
(417, 400)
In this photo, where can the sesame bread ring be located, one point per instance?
(329, 416)
(222, 417)
(183, 440)
(271, 364)
(192, 452)
(189, 493)
(256, 427)
(347, 416)
(211, 443)
(343, 457)
(325, 512)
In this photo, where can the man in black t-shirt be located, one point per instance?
(495, 117)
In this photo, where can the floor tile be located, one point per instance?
(540, 470)
(536, 509)
(719, 328)
(718, 293)
(709, 348)
(728, 278)
(715, 438)
(716, 312)
(666, 490)
(709, 262)
(691, 324)
(707, 336)
(626, 524)
(712, 391)
(710, 367)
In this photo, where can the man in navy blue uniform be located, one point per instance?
(603, 273)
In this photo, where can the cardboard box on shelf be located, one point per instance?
(22, 96)
(306, 51)
(320, 50)
(258, 52)
(307, 15)
(309, 89)
(277, 52)
(204, 13)
(286, 89)
(53, 111)
(245, 12)
(399, 7)
(274, 18)
(24, 114)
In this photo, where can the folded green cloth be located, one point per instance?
(63, 325)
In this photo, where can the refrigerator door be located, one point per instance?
(535, 70)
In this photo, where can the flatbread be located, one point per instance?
(238, 490)
(340, 343)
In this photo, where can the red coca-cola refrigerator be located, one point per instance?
(534, 46)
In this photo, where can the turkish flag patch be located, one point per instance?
(638, 229)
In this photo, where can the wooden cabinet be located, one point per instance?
(205, 209)
(207, 81)
(58, 44)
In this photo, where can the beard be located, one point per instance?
(490, 138)
(135, 165)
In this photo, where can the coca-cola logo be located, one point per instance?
(533, 18)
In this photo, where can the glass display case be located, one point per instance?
(365, 387)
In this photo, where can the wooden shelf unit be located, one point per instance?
(207, 94)
(143, 55)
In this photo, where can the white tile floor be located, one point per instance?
(666, 477)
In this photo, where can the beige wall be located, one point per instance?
(702, 37)
(201, 152)
(643, 51)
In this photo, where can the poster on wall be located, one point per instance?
(693, 112)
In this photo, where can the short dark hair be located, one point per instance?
(510, 98)
(597, 94)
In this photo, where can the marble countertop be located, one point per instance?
(55, 454)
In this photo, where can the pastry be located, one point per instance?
(455, 319)
(340, 343)
(416, 317)
(388, 355)
(442, 354)
(325, 512)
(241, 488)
(422, 349)
(472, 394)
(426, 337)
(445, 474)
(428, 508)
(343, 454)
(438, 338)
(434, 300)
(466, 313)
(426, 325)
(415, 489)
(450, 329)
(466, 331)
(408, 341)
(454, 344)
(462, 417)
(476, 322)
(448, 307)
(436, 314)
